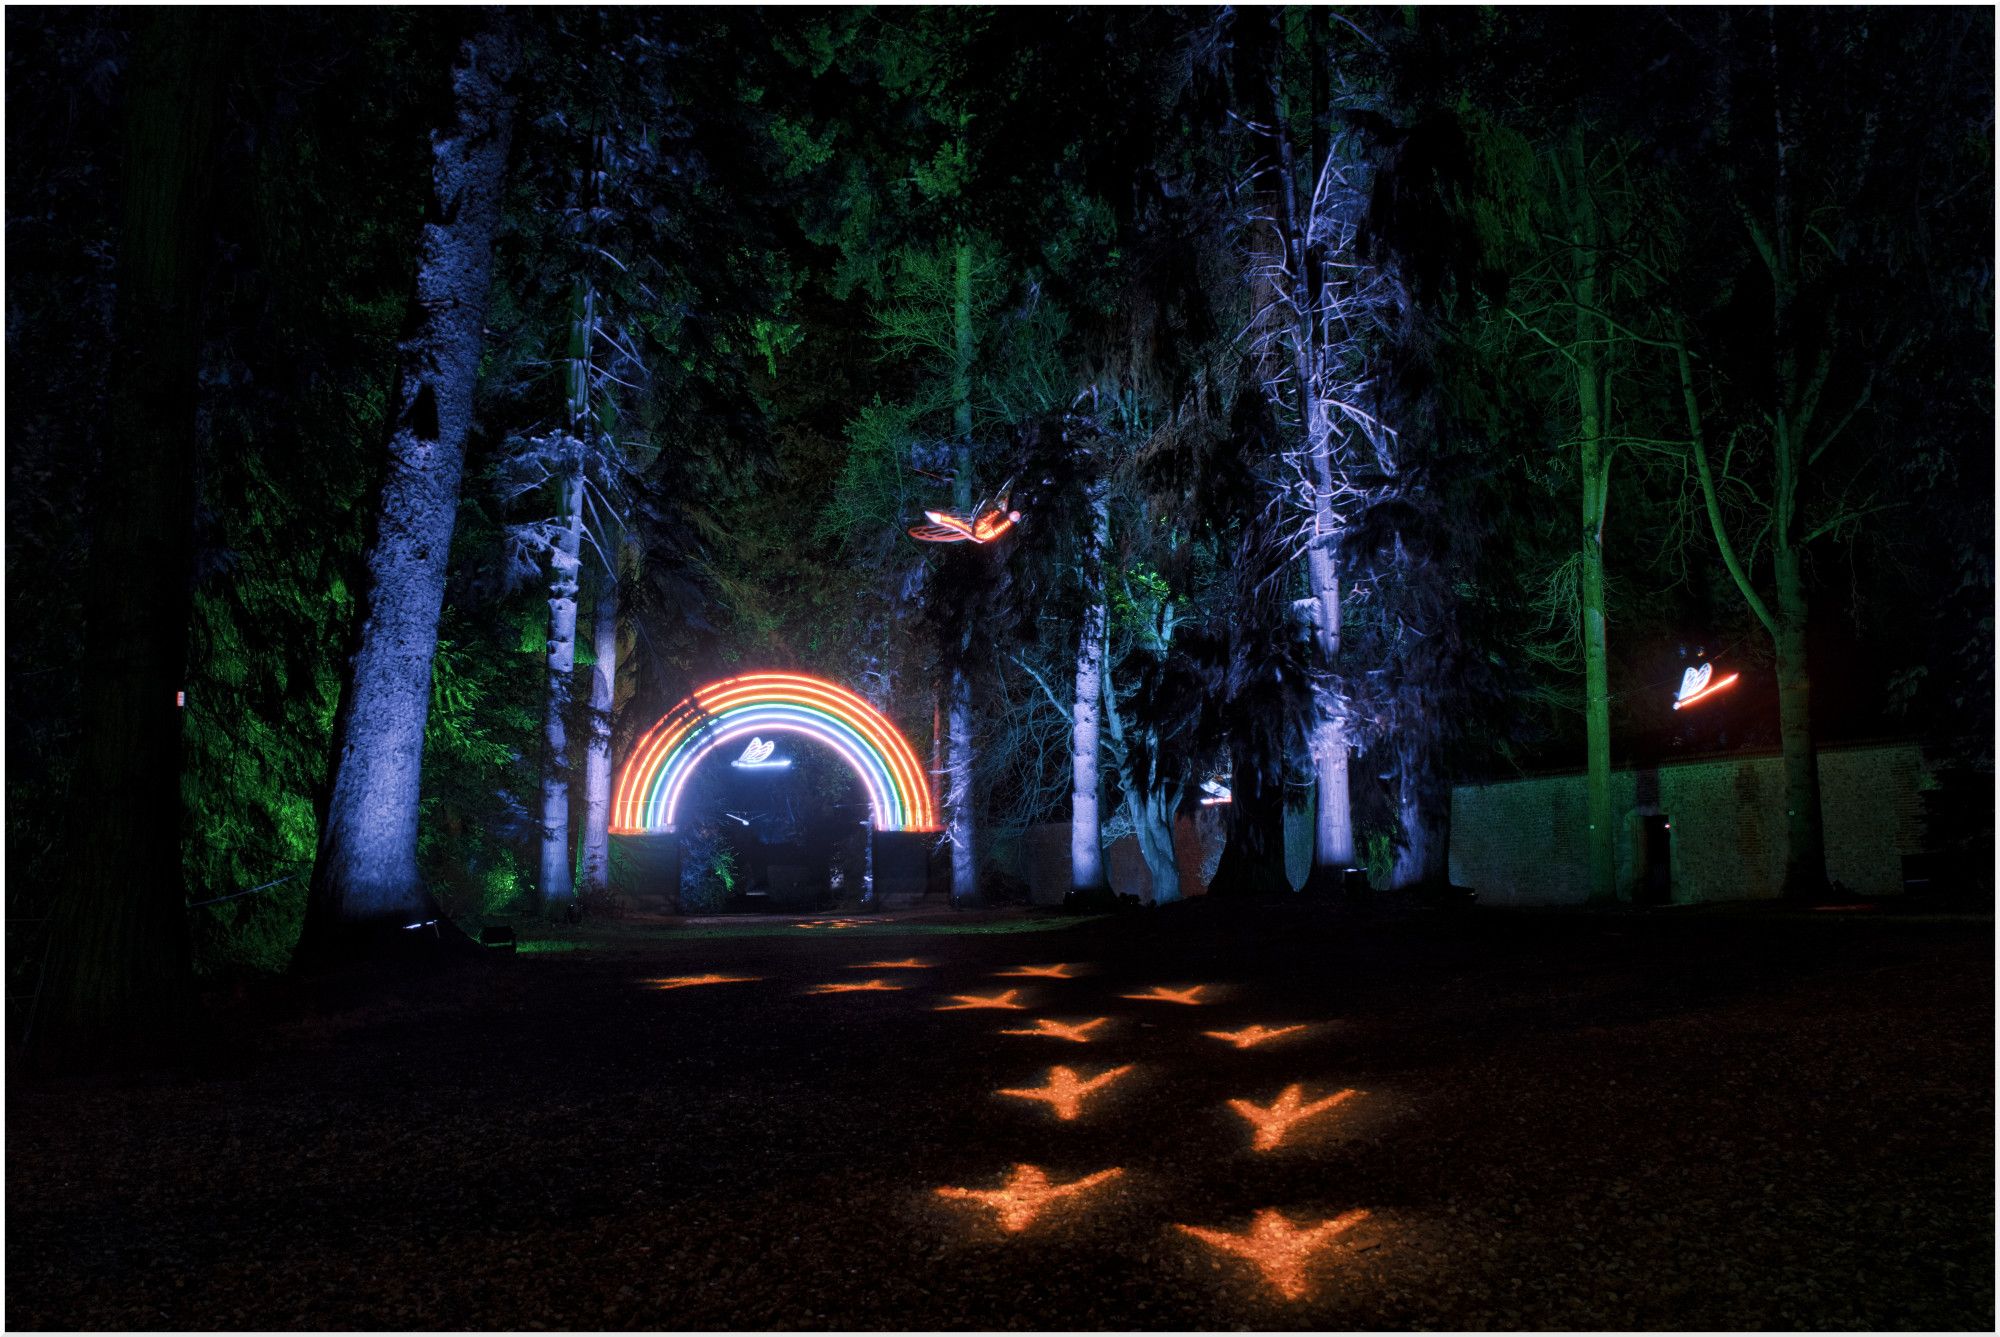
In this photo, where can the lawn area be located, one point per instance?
(1731, 1120)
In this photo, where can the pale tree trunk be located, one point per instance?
(117, 969)
(958, 792)
(1150, 809)
(1595, 468)
(1086, 828)
(958, 715)
(597, 759)
(565, 561)
(365, 875)
(1333, 818)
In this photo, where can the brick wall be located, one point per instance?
(1521, 842)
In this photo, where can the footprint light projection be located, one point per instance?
(1026, 1193)
(1065, 1091)
(689, 981)
(1160, 993)
(1290, 1109)
(857, 986)
(907, 963)
(1059, 971)
(1252, 1036)
(965, 1002)
(1279, 1249)
(1057, 1030)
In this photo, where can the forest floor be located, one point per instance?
(1686, 1120)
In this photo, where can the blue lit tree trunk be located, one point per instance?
(1086, 827)
(365, 876)
(597, 755)
(959, 817)
(118, 945)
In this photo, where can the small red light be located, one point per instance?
(180, 700)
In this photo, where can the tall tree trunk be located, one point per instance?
(365, 876)
(1423, 806)
(1595, 468)
(565, 561)
(1148, 807)
(958, 715)
(597, 759)
(1805, 840)
(1086, 827)
(958, 793)
(118, 959)
(1333, 816)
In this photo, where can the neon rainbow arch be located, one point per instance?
(736, 709)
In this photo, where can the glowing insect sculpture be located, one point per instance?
(986, 524)
(757, 756)
(1696, 684)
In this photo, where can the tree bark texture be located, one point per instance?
(565, 562)
(366, 874)
(117, 964)
(958, 714)
(958, 791)
(1086, 827)
(597, 757)
(1149, 808)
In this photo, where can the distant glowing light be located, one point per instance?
(1252, 1036)
(1056, 1030)
(690, 981)
(1159, 993)
(830, 923)
(1065, 1092)
(757, 757)
(1059, 971)
(966, 1002)
(751, 707)
(1290, 1109)
(1279, 1249)
(857, 986)
(1026, 1194)
(1695, 685)
(180, 700)
(907, 963)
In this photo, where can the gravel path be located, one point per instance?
(1682, 1120)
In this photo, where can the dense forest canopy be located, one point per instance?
(1389, 397)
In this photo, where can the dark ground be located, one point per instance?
(1678, 1120)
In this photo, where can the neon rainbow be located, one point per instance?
(656, 775)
